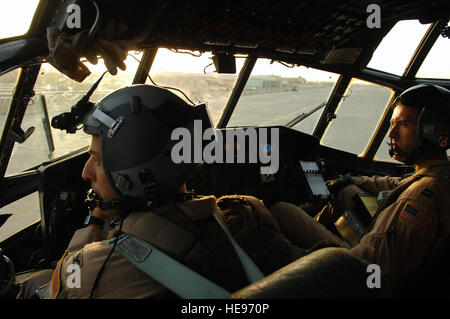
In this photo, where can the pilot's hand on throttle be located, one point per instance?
(335, 185)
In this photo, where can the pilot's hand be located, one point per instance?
(100, 216)
(107, 45)
(65, 50)
(335, 185)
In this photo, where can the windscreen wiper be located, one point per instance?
(304, 115)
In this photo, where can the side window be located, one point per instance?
(16, 17)
(7, 84)
(25, 212)
(357, 117)
(383, 152)
(54, 94)
(436, 65)
(399, 45)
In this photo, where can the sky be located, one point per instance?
(391, 56)
(165, 63)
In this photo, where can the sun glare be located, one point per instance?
(16, 16)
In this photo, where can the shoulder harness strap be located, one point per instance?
(168, 270)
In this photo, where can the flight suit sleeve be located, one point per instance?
(402, 235)
(375, 184)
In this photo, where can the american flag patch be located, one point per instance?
(412, 215)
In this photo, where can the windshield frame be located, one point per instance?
(23, 93)
(29, 74)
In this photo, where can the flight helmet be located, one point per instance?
(134, 125)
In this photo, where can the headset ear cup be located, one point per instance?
(433, 123)
(433, 128)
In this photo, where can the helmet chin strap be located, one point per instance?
(93, 200)
(126, 205)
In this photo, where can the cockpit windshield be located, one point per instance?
(397, 48)
(16, 17)
(276, 93)
(194, 74)
(436, 65)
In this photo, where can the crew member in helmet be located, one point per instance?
(135, 182)
(412, 226)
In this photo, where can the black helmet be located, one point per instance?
(433, 124)
(135, 125)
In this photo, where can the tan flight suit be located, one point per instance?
(412, 225)
(121, 279)
(292, 218)
(413, 222)
(372, 184)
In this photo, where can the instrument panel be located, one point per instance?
(296, 179)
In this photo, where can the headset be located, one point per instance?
(433, 123)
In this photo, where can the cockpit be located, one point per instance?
(309, 83)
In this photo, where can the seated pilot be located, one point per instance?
(412, 225)
(136, 183)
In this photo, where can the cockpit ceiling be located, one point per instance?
(317, 32)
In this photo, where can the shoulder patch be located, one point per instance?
(55, 284)
(414, 216)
